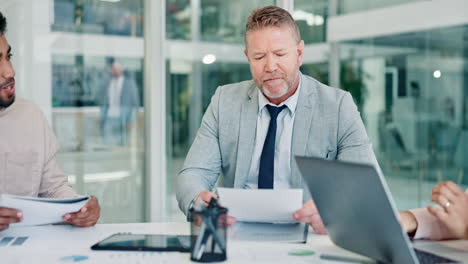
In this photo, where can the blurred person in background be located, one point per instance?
(119, 101)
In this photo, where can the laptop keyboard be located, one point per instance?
(429, 258)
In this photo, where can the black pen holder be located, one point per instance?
(208, 233)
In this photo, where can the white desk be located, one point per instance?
(50, 244)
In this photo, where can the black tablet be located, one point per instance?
(128, 241)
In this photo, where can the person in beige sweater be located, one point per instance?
(28, 149)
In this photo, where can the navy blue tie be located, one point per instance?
(267, 159)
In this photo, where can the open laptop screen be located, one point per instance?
(356, 207)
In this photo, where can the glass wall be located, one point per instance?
(411, 89)
(209, 20)
(178, 19)
(102, 148)
(311, 19)
(123, 18)
(351, 6)
(72, 60)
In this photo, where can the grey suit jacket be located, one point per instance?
(327, 124)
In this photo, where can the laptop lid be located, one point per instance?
(357, 209)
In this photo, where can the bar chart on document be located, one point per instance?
(10, 241)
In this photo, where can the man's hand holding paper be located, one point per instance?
(264, 214)
(81, 211)
(9, 216)
(282, 203)
(264, 206)
(88, 215)
(309, 214)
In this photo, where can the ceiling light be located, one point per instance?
(209, 59)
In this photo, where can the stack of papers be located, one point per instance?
(263, 205)
(264, 215)
(42, 211)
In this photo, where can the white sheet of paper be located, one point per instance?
(264, 206)
(41, 211)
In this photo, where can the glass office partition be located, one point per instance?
(71, 75)
(102, 146)
(352, 6)
(123, 18)
(178, 19)
(317, 70)
(411, 89)
(224, 21)
(311, 17)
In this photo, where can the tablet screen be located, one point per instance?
(144, 242)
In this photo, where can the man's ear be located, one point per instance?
(300, 52)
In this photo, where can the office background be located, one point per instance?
(405, 63)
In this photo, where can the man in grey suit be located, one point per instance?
(119, 100)
(252, 130)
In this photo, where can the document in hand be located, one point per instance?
(41, 211)
(264, 215)
(265, 206)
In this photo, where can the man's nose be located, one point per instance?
(7, 70)
(271, 63)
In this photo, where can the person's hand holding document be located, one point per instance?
(310, 214)
(261, 205)
(88, 215)
(27, 211)
(264, 215)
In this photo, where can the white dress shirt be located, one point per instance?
(284, 130)
(115, 92)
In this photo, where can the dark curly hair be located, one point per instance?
(3, 23)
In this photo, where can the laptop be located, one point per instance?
(358, 211)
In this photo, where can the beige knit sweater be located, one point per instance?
(28, 148)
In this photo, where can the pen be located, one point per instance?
(343, 259)
(211, 227)
(201, 241)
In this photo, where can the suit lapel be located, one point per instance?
(248, 126)
(301, 129)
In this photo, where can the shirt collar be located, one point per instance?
(291, 102)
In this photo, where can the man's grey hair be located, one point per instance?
(271, 16)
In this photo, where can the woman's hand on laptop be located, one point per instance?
(453, 210)
(88, 215)
(309, 214)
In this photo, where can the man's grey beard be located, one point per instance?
(272, 96)
(4, 104)
(288, 88)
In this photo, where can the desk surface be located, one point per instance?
(55, 244)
